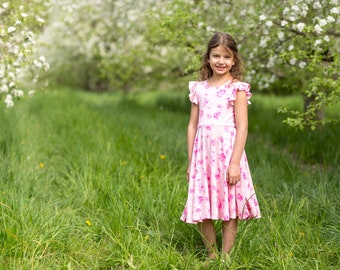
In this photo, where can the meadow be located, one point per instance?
(97, 181)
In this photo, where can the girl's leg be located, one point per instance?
(229, 230)
(207, 230)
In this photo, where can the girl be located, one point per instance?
(220, 184)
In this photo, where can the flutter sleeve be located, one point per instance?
(240, 86)
(193, 92)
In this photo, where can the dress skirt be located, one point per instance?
(209, 194)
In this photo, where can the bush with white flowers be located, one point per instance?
(19, 25)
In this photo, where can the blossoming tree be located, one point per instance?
(19, 24)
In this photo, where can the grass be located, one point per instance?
(98, 182)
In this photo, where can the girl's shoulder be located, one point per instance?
(240, 85)
(194, 85)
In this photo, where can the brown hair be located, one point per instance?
(229, 44)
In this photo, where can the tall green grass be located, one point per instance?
(98, 182)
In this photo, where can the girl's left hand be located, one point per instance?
(233, 174)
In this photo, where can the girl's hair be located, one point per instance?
(229, 44)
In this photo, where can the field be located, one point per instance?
(97, 181)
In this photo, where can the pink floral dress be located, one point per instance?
(209, 194)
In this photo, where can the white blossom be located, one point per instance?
(37, 63)
(18, 93)
(302, 64)
(39, 19)
(295, 8)
(330, 19)
(292, 61)
(326, 38)
(335, 10)
(269, 23)
(24, 15)
(11, 29)
(286, 11)
(318, 28)
(4, 88)
(322, 22)
(262, 17)
(317, 42)
(9, 101)
(263, 42)
(281, 35)
(300, 26)
(317, 5)
(291, 47)
(284, 23)
(5, 5)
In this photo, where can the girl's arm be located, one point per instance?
(191, 133)
(241, 119)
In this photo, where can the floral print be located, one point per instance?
(209, 194)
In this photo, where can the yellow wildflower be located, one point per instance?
(123, 163)
(88, 223)
(41, 165)
(162, 156)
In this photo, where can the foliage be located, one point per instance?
(288, 47)
(101, 185)
(20, 23)
(100, 45)
(295, 43)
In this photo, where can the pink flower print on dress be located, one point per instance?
(239, 196)
(220, 93)
(230, 197)
(222, 157)
(217, 115)
(200, 199)
(198, 210)
(226, 217)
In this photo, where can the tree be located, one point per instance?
(20, 23)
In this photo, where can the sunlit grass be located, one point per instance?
(98, 182)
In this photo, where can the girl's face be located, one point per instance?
(221, 61)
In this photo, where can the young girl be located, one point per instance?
(220, 184)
